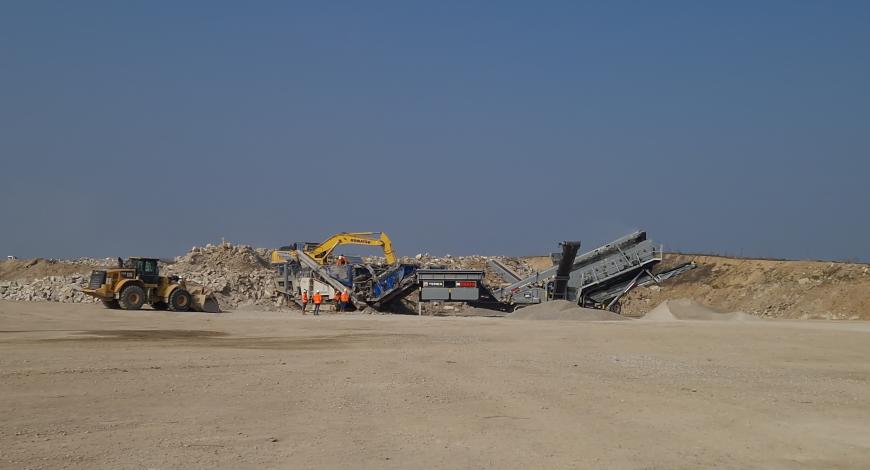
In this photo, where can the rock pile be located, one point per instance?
(239, 275)
(47, 289)
(224, 257)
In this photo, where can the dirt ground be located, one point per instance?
(88, 388)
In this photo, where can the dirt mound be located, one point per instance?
(563, 310)
(765, 288)
(687, 309)
(29, 269)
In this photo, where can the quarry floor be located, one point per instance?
(87, 388)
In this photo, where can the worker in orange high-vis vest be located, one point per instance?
(336, 299)
(318, 299)
(304, 300)
(345, 300)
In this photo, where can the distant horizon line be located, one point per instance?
(674, 252)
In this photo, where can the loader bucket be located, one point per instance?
(203, 301)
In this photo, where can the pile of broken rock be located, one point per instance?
(238, 275)
(47, 289)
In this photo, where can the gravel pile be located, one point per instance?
(563, 310)
(687, 309)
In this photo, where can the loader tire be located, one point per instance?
(112, 304)
(179, 300)
(159, 305)
(132, 298)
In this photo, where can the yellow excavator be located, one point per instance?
(321, 252)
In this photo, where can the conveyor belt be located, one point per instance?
(323, 273)
(503, 270)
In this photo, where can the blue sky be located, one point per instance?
(457, 127)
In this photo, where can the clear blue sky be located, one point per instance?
(457, 127)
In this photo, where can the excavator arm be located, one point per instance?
(322, 251)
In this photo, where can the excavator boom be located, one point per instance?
(322, 251)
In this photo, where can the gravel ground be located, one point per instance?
(88, 388)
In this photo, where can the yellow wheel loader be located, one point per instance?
(138, 281)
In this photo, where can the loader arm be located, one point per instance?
(322, 251)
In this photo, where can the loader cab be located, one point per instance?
(146, 269)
